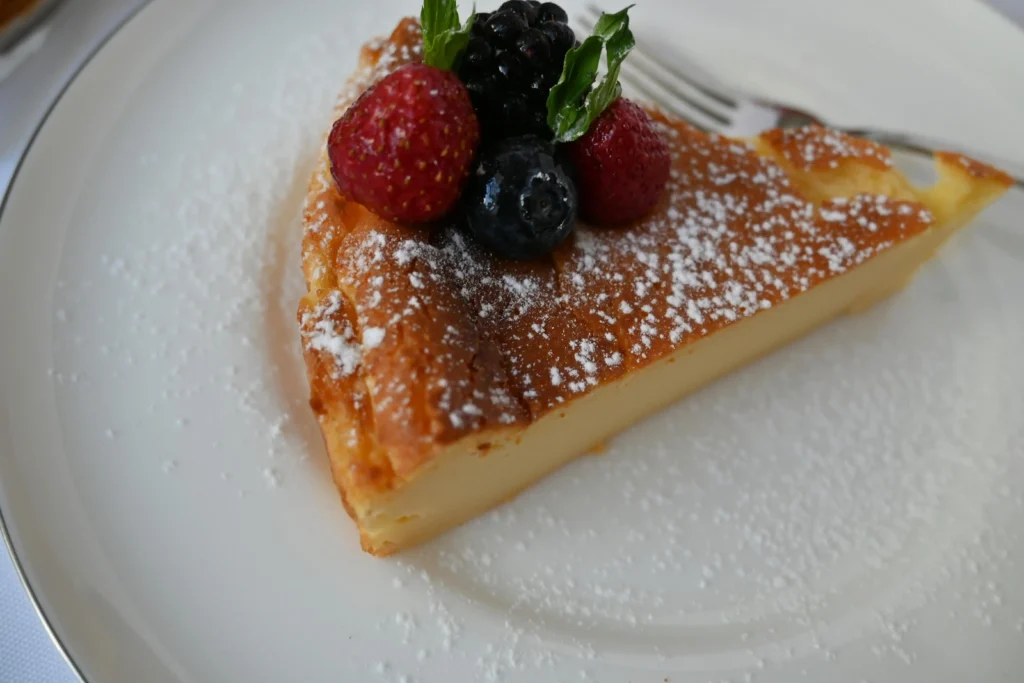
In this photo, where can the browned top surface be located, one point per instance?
(814, 148)
(424, 338)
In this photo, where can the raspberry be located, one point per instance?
(404, 149)
(622, 165)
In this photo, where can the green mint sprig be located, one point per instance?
(571, 109)
(444, 39)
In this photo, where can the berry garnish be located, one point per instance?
(560, 37)
(485, 94)
(511, 69)
(527, 10)
(514, 109)
(520, 202)
(534, 48)
(479, 27)
(549, 11)
(516, 54)
(444, 38)
(505, 27)
(622, 164)
(578, 98)
(405, 148)
(478, 58)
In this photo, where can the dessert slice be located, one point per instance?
(446, 378)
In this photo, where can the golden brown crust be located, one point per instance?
(976, 169)
(415, 339)
(338, 399)
(816, 148)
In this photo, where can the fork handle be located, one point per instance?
(925, 145)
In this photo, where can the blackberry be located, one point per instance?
(511, 69)
(534, 48)
(537, 93)
(514, 57)
(477, 59)
(514, 109)
(560, 37)
(480, 24)
(485, 93)
(505, 27)
(549, 11)
(525, 9)
(520, 202)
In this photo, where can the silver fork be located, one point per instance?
(682, 88)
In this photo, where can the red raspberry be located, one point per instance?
(622, 165)
(404, 149)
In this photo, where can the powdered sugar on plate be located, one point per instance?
(846, 506)
(224, 265)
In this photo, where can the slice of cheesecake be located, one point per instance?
(446, 380)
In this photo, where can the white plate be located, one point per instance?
(849, 509)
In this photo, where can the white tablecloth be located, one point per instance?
(26, 653)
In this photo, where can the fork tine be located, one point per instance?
(674, 78)
(675, 94)
(672, 105)
(667, 95)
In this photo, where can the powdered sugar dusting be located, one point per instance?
(324, 330)
(816, 147)
(372, 337)
(792, 531)
(197, 271)
(831, 510)
(736, 240)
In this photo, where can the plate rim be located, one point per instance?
(5, 534)
(9, 544)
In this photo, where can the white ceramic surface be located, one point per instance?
(847, 509)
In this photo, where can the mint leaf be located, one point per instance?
(570, 113)
(444, 40)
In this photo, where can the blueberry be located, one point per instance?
(560, 37)
(520, 202)
(477, 60)
(522, 8)
(549, 11)
(534, 47)
(505, 27)
(511, 69)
